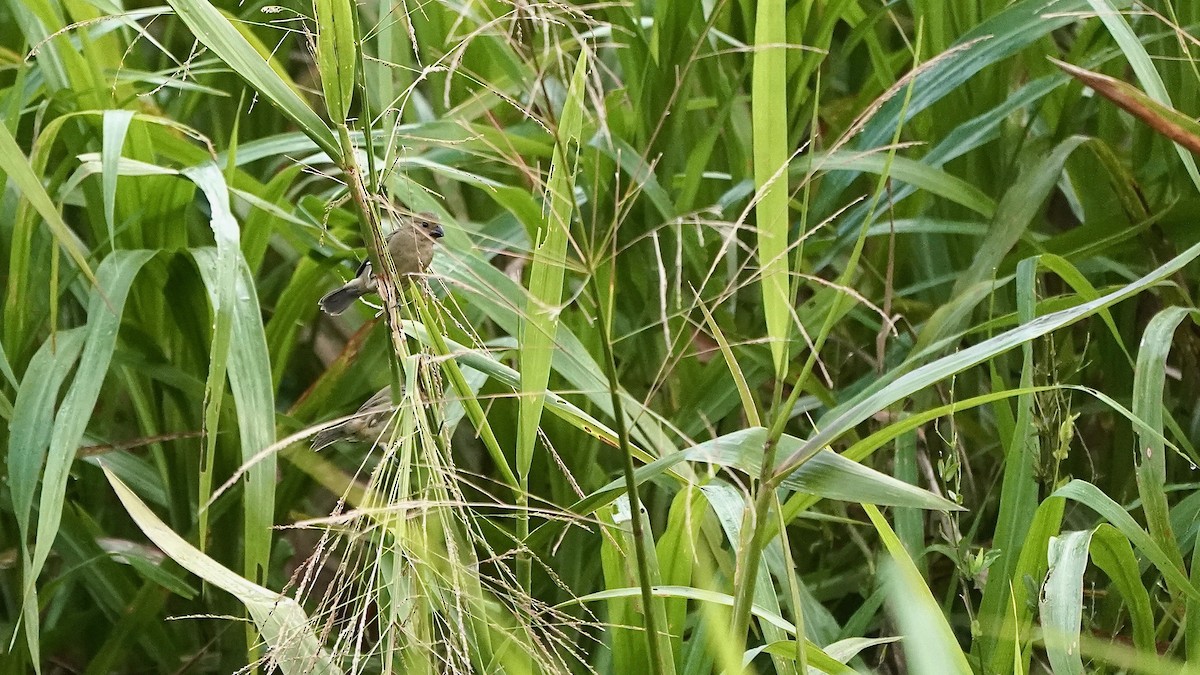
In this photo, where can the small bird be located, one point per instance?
(368, 424)
(411, 248)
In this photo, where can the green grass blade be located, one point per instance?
(1005, 629)
(209, 179)
(1061, 603)
(337, 55)
(929, 642)
(630, 652)
(33, 417)
(817, 657)
(280, 620)
(1149, 379)
(511, 378)
(1016, 212)
(116, 125)
(827, 475)
(540, 322)
(735, 369)
(769, 120)
(1112, 553)
(105, 307)
(676, 551)
(1089, 495)
(858, 411)
(29, 436)
(216, 32)
(1019, 488)
(910, 172)
(14, 163)
(488, 290)
(249, 371)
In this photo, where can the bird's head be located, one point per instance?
(427, 222)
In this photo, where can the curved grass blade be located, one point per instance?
(1112, 553)
(1015, 212)
(116, 125)
(15, 164)
(1089, 495)
(817, 657)
(1004, 633)
(33, 417)
(912, 173)
(249, 371)
(213, 30)
(105, 306)
(280, 619)
(1149, 380)
(1061, 603)
(29, 435)
(929, 642)
(827, 475)
(845, 418)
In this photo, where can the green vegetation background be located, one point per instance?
(883, 324)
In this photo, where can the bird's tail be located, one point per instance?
(339, 300)
(327, 437)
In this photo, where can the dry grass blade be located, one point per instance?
(1165, 120)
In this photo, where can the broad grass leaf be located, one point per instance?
(249, 373)
(105, 307)
(769, 115)
(216, 32)
(929, 643)
(337, 54)
(539, 323)
(280, 620)
(1089, 495)
(1149, 380)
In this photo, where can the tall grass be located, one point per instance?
(797, 337)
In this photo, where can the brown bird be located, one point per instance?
(368, 425)
(411, 248)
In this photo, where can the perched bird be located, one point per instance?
(411, 248)
(368, 424)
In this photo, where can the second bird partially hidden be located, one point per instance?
(367, 425)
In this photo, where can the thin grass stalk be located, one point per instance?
(793, 586)
(605, 312)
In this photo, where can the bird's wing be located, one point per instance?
(364, 268)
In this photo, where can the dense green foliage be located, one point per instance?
(883, 324)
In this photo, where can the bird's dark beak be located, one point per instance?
(436, 232)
